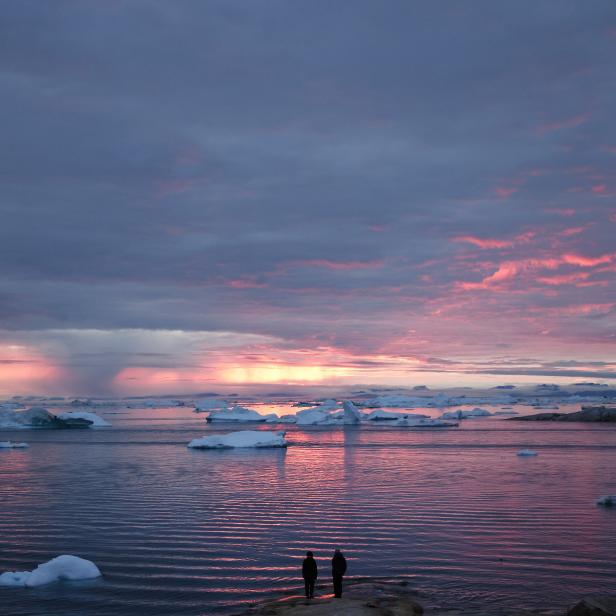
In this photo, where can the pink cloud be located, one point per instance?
(512, 269)
(599, 189)
(564, 279)
(582, 261)
(571, 122)
(245, 284)
(341, 265)
(566, 212)
(488, 243)
(504, 192)
(571, 231)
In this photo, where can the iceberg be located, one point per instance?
(351, 413)
(93, 418)
(466, 414)
(287, 419)
(237, 413)
(414, 421)
(210, 404)
(526, 453)
(319, 416)
(381, 415)
(39, 417)
(607, 501)
(63, 567)
(10, 445)
(241, 439)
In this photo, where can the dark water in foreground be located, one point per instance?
(184, 532)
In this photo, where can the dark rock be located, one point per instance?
(588, 413)
(596, 605)
(537, 417)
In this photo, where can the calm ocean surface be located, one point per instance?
(184, 532)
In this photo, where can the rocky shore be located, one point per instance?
(587, 414)
(397, 597)
(362, 597)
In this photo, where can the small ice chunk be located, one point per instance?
(243, 438)
(466, 414)
(237, 413)
(97, 422)
(412, 421)
(526, 453)
(65, 567)
(607, 501)
(10, 445)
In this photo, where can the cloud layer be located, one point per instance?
(206, 193)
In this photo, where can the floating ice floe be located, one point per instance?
(607, 501)
(505, 413)
(210, 404)
(381, 415)
(63, 567)
(243, 438)
(10, 445)
(424, 422)
(314, 417)
(237, 413)
(39, 417)
(96, 420)
(466, 414)
(526, 453)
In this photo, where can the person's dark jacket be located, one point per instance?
(309, 569)
(339, 565)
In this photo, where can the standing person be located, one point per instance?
(310, 573)
(338, 570)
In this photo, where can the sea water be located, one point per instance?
(186, 532)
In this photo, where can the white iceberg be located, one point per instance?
(210, 404)
(243, 438)
(287, 419)
(381, 415)
(607, 501)
(413, 421)
(351, 414)
(10, 445)
(466, 414)
(318, 416)
(237, 413)
(526, 453)
(97, 422)
(63, 567)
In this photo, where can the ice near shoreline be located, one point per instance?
(97, 422)
(241, 439)
(10, 445)
(40, 417)
(65, 567)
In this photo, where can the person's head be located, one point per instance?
(309, 554)
(337, 552)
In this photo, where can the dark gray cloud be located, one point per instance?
(303, 171)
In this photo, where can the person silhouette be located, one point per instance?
(339, 567)
(310, 573)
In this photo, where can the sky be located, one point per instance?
(211, 195)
